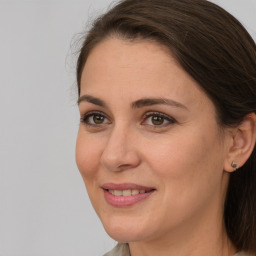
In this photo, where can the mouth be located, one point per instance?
(127, 194)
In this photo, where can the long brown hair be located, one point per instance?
(216, 50)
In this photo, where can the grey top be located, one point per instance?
(119, 250)
(123, 250)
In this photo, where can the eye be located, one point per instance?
(158, 119)
(94, 119)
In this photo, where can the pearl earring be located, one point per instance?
(234, 165)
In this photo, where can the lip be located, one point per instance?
(125, 201)
(124, 186)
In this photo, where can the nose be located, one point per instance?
(120, 151)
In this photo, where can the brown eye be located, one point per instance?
(157, 120)
(98, 119)
(94, 119)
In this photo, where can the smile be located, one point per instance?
(123, 195)
(128, 192)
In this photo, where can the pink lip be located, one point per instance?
(125, 186)
(122, 201)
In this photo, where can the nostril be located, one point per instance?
(125, 166)
(120, 152)
(121, 160)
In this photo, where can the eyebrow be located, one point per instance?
(157, 101)
(136, 104)
(93, 100)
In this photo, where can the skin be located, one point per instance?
(184, 160)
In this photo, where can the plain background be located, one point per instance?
(44, 208)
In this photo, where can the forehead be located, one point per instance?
(138, 54)
(138, 69)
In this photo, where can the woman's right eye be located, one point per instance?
(94, 119)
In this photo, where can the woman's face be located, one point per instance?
(148, 148)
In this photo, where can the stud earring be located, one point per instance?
(234, 165)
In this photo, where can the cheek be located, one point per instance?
(185, 167)
(87, 155)
(187, 160)
(177, 154)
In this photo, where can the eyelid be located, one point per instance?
(170, 119)
(91, 113)
(147, 115)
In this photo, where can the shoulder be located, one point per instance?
(120, 250)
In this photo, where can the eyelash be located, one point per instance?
(85, 118)
(167, 118)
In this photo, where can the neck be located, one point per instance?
(186, 245)
(204, 235)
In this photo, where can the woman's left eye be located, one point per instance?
(157, 119)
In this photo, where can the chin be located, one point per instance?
(124, 231)
(125, 236)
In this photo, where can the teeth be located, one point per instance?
(135, 192)
(118, 192)
(127, 192)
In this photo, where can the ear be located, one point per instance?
(242, 143)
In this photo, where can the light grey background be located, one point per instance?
(44, 208)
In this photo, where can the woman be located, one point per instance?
(166, 145)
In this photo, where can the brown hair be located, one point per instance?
(216, 50)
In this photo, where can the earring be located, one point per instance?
(234, 165)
